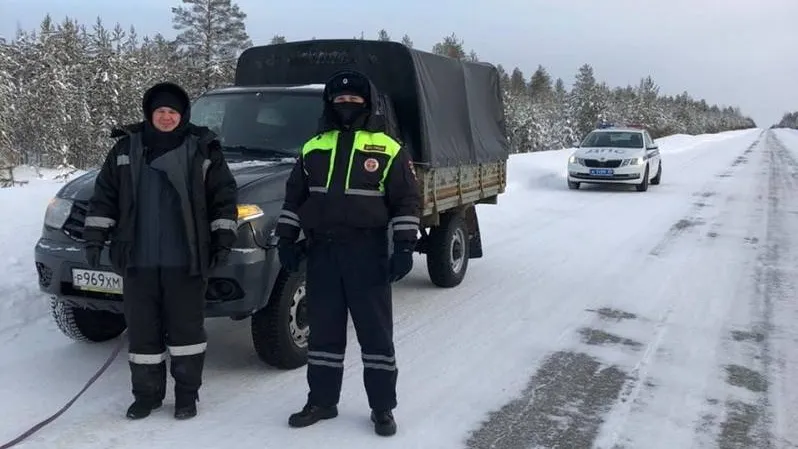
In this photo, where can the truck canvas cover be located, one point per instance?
(449, 112)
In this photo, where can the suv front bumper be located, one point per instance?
(235, 290)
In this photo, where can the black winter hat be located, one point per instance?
(168, 99)
(348, 83)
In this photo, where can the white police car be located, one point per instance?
(616, 156)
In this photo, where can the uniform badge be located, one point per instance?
(378, 148)
(371, 165)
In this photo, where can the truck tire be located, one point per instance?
(280, 330)
(86, 325)
(447, 251)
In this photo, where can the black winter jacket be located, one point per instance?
(214, 197)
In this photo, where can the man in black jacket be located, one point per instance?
(350, 183)
(167, 201)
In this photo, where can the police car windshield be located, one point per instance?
(614, 139)
(260, 125)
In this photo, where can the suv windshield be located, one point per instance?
(617, 139)
(260, 125)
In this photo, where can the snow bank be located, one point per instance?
(20, 299)
(788, 137)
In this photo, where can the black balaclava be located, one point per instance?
(349, 83)
(156, 141)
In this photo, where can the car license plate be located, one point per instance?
(97, 281)
(601, 171)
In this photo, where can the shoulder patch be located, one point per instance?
(378, 148)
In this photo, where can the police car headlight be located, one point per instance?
(573, 159)
(636, 161)
(248, 212)
(57, 212)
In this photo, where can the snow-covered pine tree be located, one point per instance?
(278, 39)
(383, 35)
(587, 103)
(451, 46)
(407, 41)
(212, 33)
(8, 155)
(789, 120)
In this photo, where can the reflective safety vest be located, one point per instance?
(369, 162)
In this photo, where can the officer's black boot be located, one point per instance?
(384, 424)
(311, 414)
(149, 389)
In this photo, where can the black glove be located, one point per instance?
(220, 257)
(92, 253)
(290, 254)
(401, 261)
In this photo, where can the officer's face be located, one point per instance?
(349, 99)
(165, 119)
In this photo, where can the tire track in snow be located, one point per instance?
(706, 198)
(758, 423)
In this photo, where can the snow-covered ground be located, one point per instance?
(602, 317)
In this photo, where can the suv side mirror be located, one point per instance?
(653, 147)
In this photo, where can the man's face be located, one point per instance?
(349, 99)
(165, 119)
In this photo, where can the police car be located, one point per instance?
(616, 155)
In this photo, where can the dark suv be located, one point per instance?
(261, 130)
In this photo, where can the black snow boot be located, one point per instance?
(311, 414)
(384, 424)
(149, 389)
(185, 405)
(141, 408)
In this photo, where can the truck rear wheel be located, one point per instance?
(447, 251)
(86, 325)
(280, 330)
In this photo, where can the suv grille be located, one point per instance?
(612, 163)
(77, 218)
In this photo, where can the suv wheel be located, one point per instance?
(280, 330)
(86, 325)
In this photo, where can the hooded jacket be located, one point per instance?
(209, 200)
(352, 179)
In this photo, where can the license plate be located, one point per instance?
(97, 281)
(601, 171)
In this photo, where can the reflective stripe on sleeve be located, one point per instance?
(224, 223)
(99, 222)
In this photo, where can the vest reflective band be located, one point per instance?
(328, 141)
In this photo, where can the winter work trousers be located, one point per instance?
(348, 272)
(164, 309)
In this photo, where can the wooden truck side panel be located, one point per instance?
(446, 188)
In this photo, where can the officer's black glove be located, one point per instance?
(290, 254)
(220, 257)
(92, 253)
(401, 261)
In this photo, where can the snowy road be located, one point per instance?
(603, 318)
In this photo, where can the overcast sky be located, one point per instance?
(737, 52)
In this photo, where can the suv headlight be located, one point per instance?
(57, 212)
(573, 159)
(636, 161)
(248, 212)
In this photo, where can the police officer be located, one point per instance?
(351, 184)
(166, 199)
